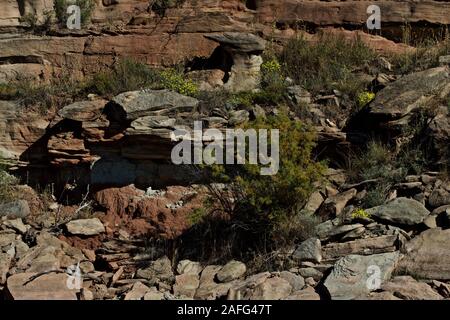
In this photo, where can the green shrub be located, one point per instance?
(365, 98)
(126, 75)
(130, 75)
(7, 183)
(327, 63)
(176, 81)
(378, 162)
(360, 214)
(267, 208)
(60, 7)
(57, 93)
(425, 56)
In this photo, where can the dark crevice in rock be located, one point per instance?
(21, 59)
(219, 59)
(251, 4)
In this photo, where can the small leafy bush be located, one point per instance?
(59, 92)
(126, 75)
(360, 214)
(326, 64)
(380, 163)
(7, 183)
(266, 208)
(425, 56)
(176, 81)
(365, 98)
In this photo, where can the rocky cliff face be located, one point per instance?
(132, 28)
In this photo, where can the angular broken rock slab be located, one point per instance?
(349, 278)
(428, 255)
(136, 104)
(83, 110)
(5, 263)
(334, 205)
(186, 285)
(231, 271)
(409, 92)
(272, 289)
(241, 42)
(160, 269)
(137, 292)
(17, 209)
(306, 294)
(309, 250)
(296, 281)
(365, 246)
(407, 288)
(188, 266)
(401, 211)
(46, 287)
(85, 227)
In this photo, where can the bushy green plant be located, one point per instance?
(327, 63)
(58, 92)
(176, 81)
(86, 8)
(265, 206)
(126, 75)
(424, 56)
(365, 98)
(360, 214)
(385, 167)
(7, 183)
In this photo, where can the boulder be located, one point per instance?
(409, 92)
(17, 209)
(187, 266)
(160, 269)
(402, 211)
(5, 263)
(406, 288)
(153, 294)
(309, 250)
(439, 197)
(186, 285)
(306, 294)
(208, 288)
(137, 292)
(136, 104)
(366, 246)
(428, 255)
(231, 271)
(272, 289)
(327, 229)
(83, 110)
(85, 227)
(314, 202)
(351, 277)
(51, 286)
(334, 205)
(297, 282)
(17, 225)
